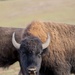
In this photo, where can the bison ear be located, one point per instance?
(44, 51)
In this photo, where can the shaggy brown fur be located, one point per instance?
(61, 56)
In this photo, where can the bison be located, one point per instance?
(42, 48)
(47, 48)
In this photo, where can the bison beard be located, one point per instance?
(57, 59)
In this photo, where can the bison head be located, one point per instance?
(30, 52)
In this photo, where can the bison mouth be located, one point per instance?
(32, 73)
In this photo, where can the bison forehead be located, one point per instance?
(32, 44)
(33, 41)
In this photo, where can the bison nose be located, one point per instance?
(32, 70)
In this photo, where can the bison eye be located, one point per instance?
(39, 55)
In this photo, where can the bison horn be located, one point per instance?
(46, 44)
(15, 44)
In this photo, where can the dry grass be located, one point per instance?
(12, 70)
(18, 13)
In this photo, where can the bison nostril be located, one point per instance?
(31, 70)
